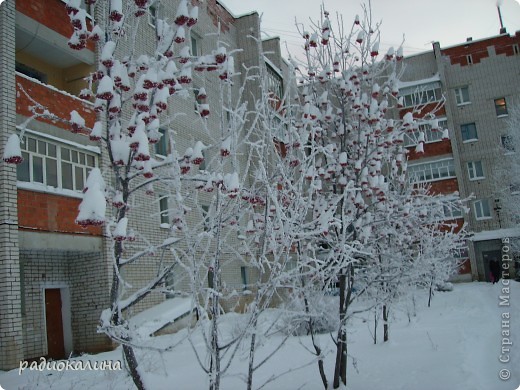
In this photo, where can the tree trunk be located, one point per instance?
(114, 299)
(375, 326)
(340, 370)
(386, 311)
(132, 366)
(251, 361)
(215, 350)
(316, 347)
(430, 293)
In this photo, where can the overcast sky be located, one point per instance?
(421, 21)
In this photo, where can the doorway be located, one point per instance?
(487, 257)
(54, 323)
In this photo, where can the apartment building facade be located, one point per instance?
(476, 81)
(55, 275)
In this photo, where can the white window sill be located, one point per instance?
(470, 140)
(40, 187)
(503, 116)
(463, 104)
(436, 179)
(483, 218)
(476, 178)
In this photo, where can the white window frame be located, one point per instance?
(164, 210)
(152, 15)
(459, 96)
(198, 41)
(84, 161)
(452, 212)
(430, 136)
(84, 6)
(274, 81)
(422, 94)
(164, 140)
(478, 207)
(444, 169)
(473, 168)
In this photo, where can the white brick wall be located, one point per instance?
(11, 338)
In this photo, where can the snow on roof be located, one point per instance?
(157, 317)
(416, 83)
(232, 14)
(469, 42)
(495, 234)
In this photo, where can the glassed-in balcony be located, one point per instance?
(42, 50)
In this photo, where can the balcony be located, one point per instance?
(58, 102)
(42, 51)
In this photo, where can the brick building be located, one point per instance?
(54, 275)
(477, 80)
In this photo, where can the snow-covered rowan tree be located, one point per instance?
(132, 91)
(402, 257)
(288, 203)
(352, 147)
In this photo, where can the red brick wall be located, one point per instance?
(219, 13)
(50, 13)
(51, 213)
(430, 107)
(478, 49)
(432, 149)
(447, 186)
(465, 268)
(57, 103)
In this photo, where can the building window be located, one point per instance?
(274, 82)
(164, 212)
(462, 96)
(205, 217)
(54, 165)
(430, 135)
(422, 94)
(475, 170)
(30, 72)
(501, 107)
(516, 49)
(245, 279)
(169, 285)
(432, 171)
(460, 253)
(152, 15)
(514, 188)
(452, 212)
(161, 147)
(195, 44)
(507, 143)
(482, 210)
(469, 132)
(211, 277)
(469, 59)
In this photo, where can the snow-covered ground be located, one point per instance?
(455, 344)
